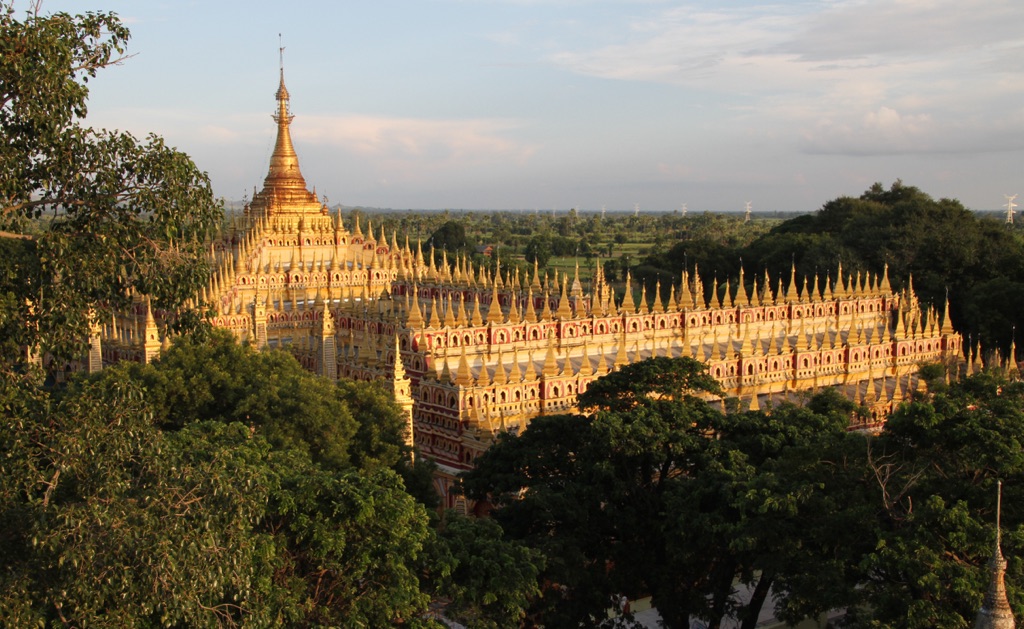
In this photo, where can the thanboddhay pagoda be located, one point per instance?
(469, 354)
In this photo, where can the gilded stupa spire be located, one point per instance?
(284, 163)
(995, 612)
(284, 189)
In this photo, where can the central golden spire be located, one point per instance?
(284, 163)
(284, 190)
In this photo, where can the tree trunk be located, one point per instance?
(720, 598)
(675, 618)
(757, 599)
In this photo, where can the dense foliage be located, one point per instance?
(109, 519)
(656, 492)
(490, 580)
(339, 425)
(449, 237)
(86, 216)
(944, 246)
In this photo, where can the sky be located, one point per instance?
(552, 104)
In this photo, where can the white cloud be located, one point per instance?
(864, 77)
(680, 45)
(886, 131)
(439, 141)
(399, 152)
(885, 28)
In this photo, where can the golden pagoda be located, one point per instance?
(349, 304)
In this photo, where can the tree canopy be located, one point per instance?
(87, 216)
(538, 251)
(945, 247)
(341, 425)
(490, 580)
(109, 519)
(656, 492)
(450, 237)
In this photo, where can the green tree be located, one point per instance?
(105, 519)
(764, 513)
(944, 246)
(350, 547)
(611, 270)
(490, 580)
(563, 247)
(450, 237)
(655, 381)
(219, 379)
(655, 492)
(538, 250)
(932, 472)
(585, 249)
(341, 425)
(120, 214)
(595, 486)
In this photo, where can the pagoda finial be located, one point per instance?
(698, 289)
(586, 369)
(433, 322)
(741, 290)
(550, 369)
(1011, 359)
(564, 309)
(464, 375)
(885, 287)
(476, 318)
(628, 305)
(513, 312)
(494, 313)
(284, 163)
(995, 612)
(947, 324)
(500, 377)
(792, 281)
(515, 375)
(415, 318)
(449, 311)
(531, 312)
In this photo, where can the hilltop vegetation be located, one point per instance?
(942, 245)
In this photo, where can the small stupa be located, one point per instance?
(995, 612)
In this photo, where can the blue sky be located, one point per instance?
(501, 104)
